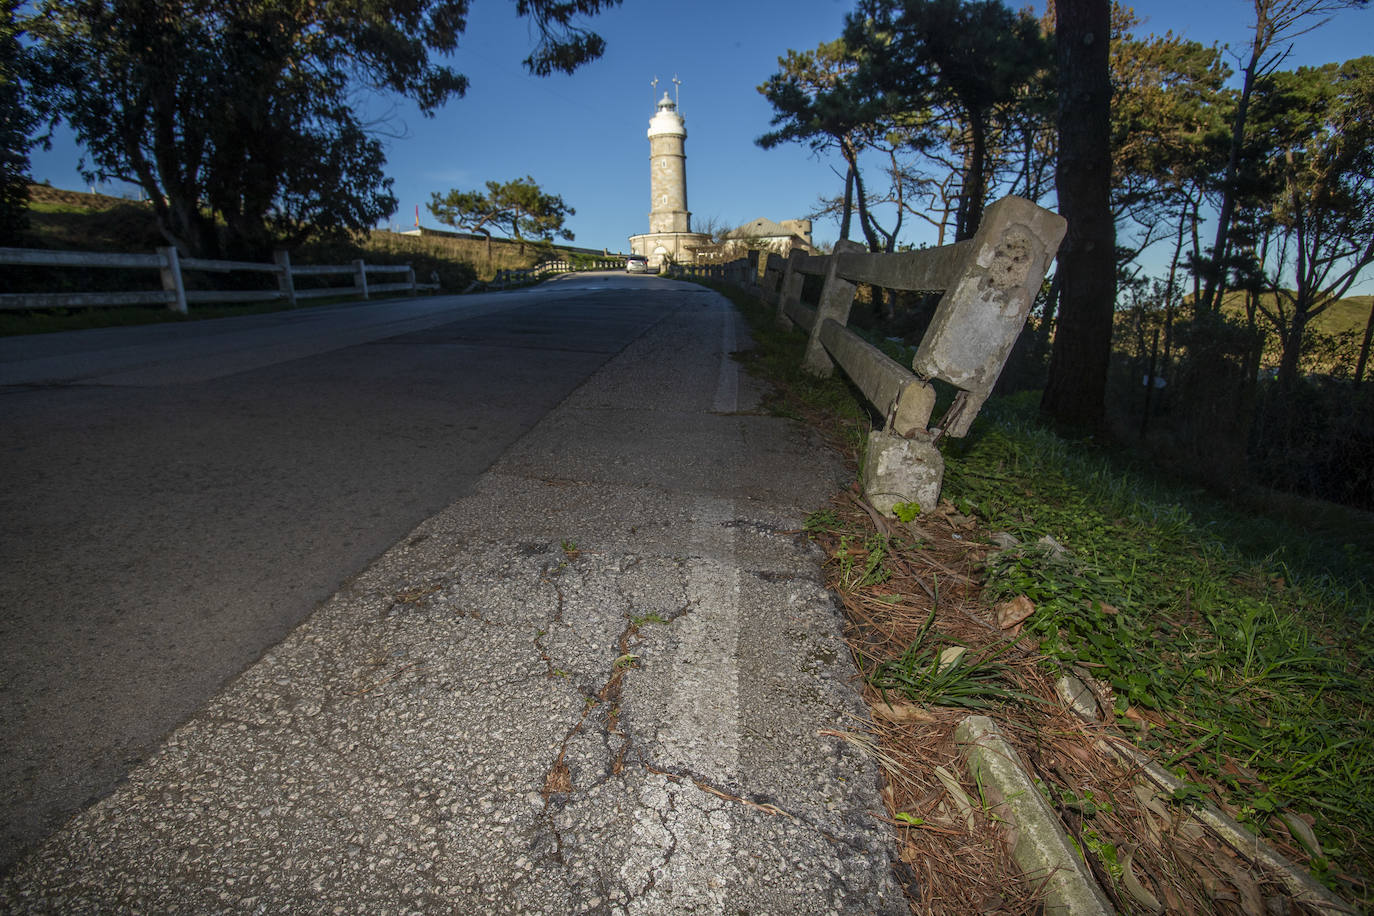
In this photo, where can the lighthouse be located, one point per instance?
(668, 170)
(670, 234)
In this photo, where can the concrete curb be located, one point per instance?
(1039, 844)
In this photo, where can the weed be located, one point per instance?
(906, 512)
(1105, 852)
(824, 520)
(647, 618)
(930, 677)
(871, 572)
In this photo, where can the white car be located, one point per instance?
(636, 264)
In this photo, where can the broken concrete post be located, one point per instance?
(978, 319)
(836, 299)
(902, 470)
(789, 290)
(1038, 841)
(912, 409)
(772, 270)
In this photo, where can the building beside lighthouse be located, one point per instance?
(670, 235)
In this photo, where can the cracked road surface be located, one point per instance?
(594, 683)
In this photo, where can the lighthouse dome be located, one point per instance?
(667, 121)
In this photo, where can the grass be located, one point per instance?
(1232, 639)
(1247, 667)
(45, 321)
(927, 675)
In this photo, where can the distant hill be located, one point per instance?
(1351, 314)
(81, 221)
(89, 222)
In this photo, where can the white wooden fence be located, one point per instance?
(174, 294)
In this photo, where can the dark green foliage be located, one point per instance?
(1316, 225)
(953, 73)
(1276, 22)
(816, 100)
(519, 207)
(16, 124)
(1316, 438)
(238, 119)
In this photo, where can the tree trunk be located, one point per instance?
(1292, 349)
(1364, 347)
(861, 199)
(1042, 333)
(975, 181)
(1265, 34)
(848, 212)
(1076, 392)
(187, 228)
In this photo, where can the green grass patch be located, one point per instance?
(929, 676)
(44, 321)
(1245, 640)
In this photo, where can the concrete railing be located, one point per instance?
(174, 293)
(988, 284)
(521, 275)
(562, 266)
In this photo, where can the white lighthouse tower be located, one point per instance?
(670, 232)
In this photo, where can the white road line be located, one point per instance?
(727, 382)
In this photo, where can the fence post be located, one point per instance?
(285, 282)
(360, 277)
(171, 279)
(979, 318)
(836, 299)
(789, 290)
(410, 278)
(772, 270)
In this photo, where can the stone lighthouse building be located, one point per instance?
(670, 232)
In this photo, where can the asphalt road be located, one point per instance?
(607, 678)
(175, 499)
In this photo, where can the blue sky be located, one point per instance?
(583, 136)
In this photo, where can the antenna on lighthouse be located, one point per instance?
(653, 90)
(677, 98)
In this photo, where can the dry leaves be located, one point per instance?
(954, 856)
(1011, 613)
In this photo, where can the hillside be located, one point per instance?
(78, 220)
(1344, 315)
